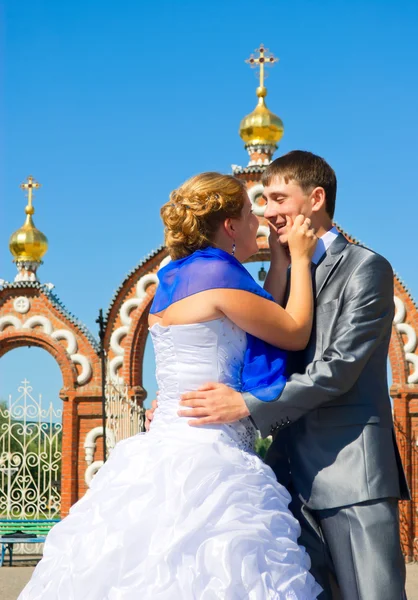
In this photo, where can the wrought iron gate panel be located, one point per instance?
(30, 458)
(124, 414)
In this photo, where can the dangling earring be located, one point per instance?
(233, 249)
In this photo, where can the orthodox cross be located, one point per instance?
(30, 185)
(263, 58)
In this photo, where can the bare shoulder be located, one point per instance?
(195, 308)
(153, 319)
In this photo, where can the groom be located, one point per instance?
(334, 445)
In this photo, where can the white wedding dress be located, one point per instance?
(180, 513)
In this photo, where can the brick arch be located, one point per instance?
(135, 344)
(404, 343)
(403, 356)
(397, 361)
(11, 340)
(31, 316)
(126, 323)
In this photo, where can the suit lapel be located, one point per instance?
(329, 263)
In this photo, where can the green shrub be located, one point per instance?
(261, 446)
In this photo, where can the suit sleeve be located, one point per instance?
(364, 322)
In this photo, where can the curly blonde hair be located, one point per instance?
(197, 208)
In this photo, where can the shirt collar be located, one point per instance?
(324, 243)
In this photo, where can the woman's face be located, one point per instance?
(245, 231)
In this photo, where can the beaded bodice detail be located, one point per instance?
(188, 356)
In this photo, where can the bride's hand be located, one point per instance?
(279, 254)
(302, 239)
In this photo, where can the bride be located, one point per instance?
(186, 513)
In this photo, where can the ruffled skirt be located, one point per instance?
(169, 519)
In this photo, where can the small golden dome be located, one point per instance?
(28, 243)
(261, 126)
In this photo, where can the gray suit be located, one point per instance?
(334, 443)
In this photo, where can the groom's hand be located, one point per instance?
(213, 403)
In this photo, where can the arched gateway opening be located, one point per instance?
(30, 435)
(31, 316)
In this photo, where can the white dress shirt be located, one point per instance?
(323, 244)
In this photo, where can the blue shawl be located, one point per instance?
(263, 373)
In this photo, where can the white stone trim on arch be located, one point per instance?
(127, 307)
(413, 359)
(400, 311)
(411, 341)
(38, 320)
(86, 371)
(254, 192)
(9, 320)
(91, 471)
(143, 283)
(90, 443)
(263, 231)
(114, 365)
(63, 334)
(115, 338)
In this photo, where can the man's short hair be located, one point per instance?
(307, 170)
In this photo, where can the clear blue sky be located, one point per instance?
(111, 105)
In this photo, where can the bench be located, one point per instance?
(28, 531)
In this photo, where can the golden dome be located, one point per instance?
(28, 243)
(261, 127)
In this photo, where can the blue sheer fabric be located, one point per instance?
(211, 268)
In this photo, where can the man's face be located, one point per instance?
(285, 200)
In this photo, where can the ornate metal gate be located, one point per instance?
(30, 457)
(125, 417)
(124, 414)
